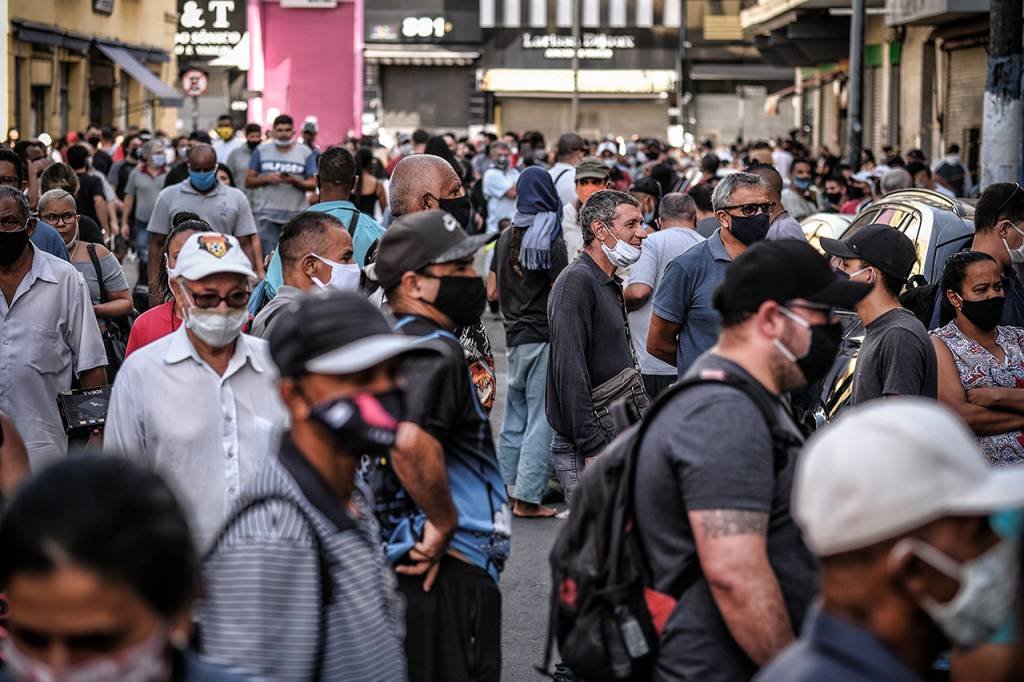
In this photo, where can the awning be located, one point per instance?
(739, 72)
(408, 55)
(39, 34)
(168, 96)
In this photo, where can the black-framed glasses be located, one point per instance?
(58, 218)
(1007, 200)
(750, 209)
(206, 301)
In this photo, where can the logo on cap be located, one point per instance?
(216, 245)
(449, 222)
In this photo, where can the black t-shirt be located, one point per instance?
(89, 231)
(524, 300)
(102, 161)
(177, 174)
(711, 449)
(89, 187)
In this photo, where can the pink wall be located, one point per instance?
(308, 62)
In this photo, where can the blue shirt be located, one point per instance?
(46, 238)
(836, 650)
(684, 298)
(367, 229)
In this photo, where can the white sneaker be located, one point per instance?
(564, 514)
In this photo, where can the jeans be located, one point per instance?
(142, 247)
(568, 464)
(524, 445)
(270, 233)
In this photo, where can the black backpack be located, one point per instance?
(605, 617)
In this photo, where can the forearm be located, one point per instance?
(1007, 400)
(576, 407)
(93, 378)
(250, 253)
(129, 204)
(33, 188)
(115, 308)
(988, 422)
(255, 254)
(156, 246)
(421, 469)
(101, 213)
(752, 606)
(254, 180)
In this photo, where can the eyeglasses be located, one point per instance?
(750, 209)
(236, 299)
(58, 218)
(1006, 202)
(12, 180)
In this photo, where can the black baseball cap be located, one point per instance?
(881, 246)
(781, 271)
(421, 239)
(338, 332)
(646, 186)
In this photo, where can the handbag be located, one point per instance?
(624, 392)
(115, 330)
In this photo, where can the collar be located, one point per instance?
(717, 247)
(855, 646)
(186, 187)
(289, 292)
(600, 275)
(180, 348)
(41, 268)
(332, 205)
(312, 485)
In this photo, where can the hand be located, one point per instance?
(427, 555)
(125, 232)
(95, 441)
(272, 178)
(983, 397)
(39, 165)
(285, 179)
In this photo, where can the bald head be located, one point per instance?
(771, 176)
(418, 181)
(202, 157)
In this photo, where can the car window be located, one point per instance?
(902, 217)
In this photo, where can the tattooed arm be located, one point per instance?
(734, 559)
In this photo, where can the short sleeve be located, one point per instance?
(160, 220)
(245, 225)
(645, 270)
(311, 162)
(130, 187)
(113, 275)
(903, 363)
(254, 161)
(670, 300)
(432, 391)
(83, 332)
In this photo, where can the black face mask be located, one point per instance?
(985, 314)
(834, 197)
(12, 245)
(750, 229)
(459, 208)
(855, 193)
(362, 424)
(252, 145)
(461, 299)
(825, 342)
(94, 141)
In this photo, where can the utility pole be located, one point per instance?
(1001, 127)
(574, 116)
(682, 71)
(855, 95)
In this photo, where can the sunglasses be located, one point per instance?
(750, 209)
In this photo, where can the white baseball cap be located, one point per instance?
(607, 146)
(209, 253)
(889, 467)
(861, 176)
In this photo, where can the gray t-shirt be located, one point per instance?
(113, 276)
(225, 208)
(145, 188)
(711, 449)
(896, 358)
(280, 203)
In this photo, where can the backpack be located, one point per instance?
(605, 617)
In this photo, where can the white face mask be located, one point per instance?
(1016, 255)
(212, 326)
(344, 276)
(787, 353)
(282, 141)
(144, 662)
(622, 255)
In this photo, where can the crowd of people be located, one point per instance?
(295, 475)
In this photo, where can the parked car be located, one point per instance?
(828, 225)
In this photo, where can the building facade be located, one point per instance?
(109, 62)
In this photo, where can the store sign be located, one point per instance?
(208, 29)
(589, 46)
(103, 6)
(917, 11)
(309, 4)
(194, 83)
(425, 21)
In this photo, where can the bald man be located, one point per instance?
(225, 208)
(783, 225)
(421, 182)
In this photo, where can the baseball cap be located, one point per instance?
(646, 186)
(890, 466)
(607, 146)
(781, 271)
(209, 253)
(882, 246)
(591, 167)
(420, 239)
(338, 332)
(861, 176)
(309, 127)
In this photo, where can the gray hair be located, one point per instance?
(677, 205)
(897, 178)
(56, 195)
(7, 192)
(408, 179)
(149, 146)
(601, 207)
(722, 196)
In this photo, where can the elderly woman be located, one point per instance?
(57, 207)
(981, 363)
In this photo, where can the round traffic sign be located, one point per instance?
(194, 82)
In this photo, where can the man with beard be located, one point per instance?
(714, 476)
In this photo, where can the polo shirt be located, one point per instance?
(151, 325)
(684, 297)
(225, 208)
(367, 229)
(834, 649)
(264, 320)
(208, 434)
(48, 335)
(145, 188)
(266, 621)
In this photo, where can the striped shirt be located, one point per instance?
(262, 589)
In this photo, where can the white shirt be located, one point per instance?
(222, 149)
(564, 177)
(497, 183)
(783, 161)
(48, 334)
(572, 233)
(209, 435)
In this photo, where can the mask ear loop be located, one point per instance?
(931, 556)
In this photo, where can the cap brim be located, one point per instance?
(837, 248)
(1002, 490)
(465, 248)
(841, 293)
(368, 352)
(197, 272)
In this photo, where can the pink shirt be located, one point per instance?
(151, 325)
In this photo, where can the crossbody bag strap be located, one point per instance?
(353, 222)
(91, 248)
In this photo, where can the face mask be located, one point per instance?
(461, 299)
(182, 153)
(458, 208)
(841, 274)
(750, 229)
(363, 424)
(985, 314)
(135, 153)
(251, 145)
(158, 160)
(834, 197)
(648, 217)
(540, 155)
(988, 588)
(144, 662)
(803, 184)
(1016, 255)
(94, 141)
(609, 162)
(622, 255)
(825, 342)
(282, 141)
(12, 245)
(213, 327)
(502, 163)
(855, 192)
(406, 148)
(202, 181)
(344, 276)
(226, 132)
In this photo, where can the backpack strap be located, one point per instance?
(353, 222)
(559, 176)
(323, 564)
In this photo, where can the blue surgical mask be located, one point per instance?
(158, 160)
(202, 181)
(648, 217)
(802, 183)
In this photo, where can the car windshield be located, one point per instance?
(926, 197)
(903, 217)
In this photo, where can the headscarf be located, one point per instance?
(539, 213)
